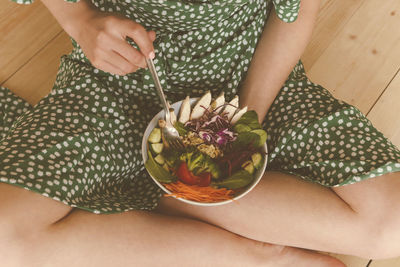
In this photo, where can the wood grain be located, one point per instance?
(351, 261)
(35, 79)
(332, 18)
(386, 263)
(364, 56)
(25, 29)
(385, 113)
(354, 52)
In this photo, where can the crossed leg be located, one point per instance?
(360, 219)
(37, 231)
(357, 219)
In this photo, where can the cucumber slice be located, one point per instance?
(159, 159)
(157, 148)
(155, 136)
(248, 166)
(256, 158)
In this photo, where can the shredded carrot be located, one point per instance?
(198, 193)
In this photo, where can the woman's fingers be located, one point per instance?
(104, 43)
(112, 62)
(152, 35)
(140, 36)
(111, 68)
(107, 67)
(115, 58)
(130, 54)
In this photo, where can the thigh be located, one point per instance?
(81, 144)
(283, 209)
(324, 140)
(11, 107)
(25, 211)
(376, 202)
(139, 238)
(376, 197)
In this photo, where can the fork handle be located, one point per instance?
(159, 90)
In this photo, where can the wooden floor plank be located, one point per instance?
(351, 261)
(332, 18)
(386, 263)
(340, 56)
(385, 113)
(35, 79)
(364, 56)
(24, 29)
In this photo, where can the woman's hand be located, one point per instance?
(103, 40)
(102, 36)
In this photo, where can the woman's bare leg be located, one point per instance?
(23, 214)
(57, 237)
(24, 211)
(149, 239)
(360, 219)
(377, 202)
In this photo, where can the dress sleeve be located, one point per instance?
(287, 10)
(27, 2)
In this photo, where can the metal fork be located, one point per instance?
(170, 134)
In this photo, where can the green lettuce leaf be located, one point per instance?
(157, 171)
(180, 128)
(250, 118)
(237, 180)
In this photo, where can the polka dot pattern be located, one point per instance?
(81, 144)
(31, 1)
(322, 139)
(11, 107)
(287, 10)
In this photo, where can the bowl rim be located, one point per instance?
(150, 127)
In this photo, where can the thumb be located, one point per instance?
(152, 35)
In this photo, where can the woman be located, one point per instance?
(80, 145)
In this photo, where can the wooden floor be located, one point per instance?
(354, 52)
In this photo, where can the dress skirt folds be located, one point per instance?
(81, 144)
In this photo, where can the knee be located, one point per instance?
(11, 246)
(382, 238)
(19, 240)
(378, 217)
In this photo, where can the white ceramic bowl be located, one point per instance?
(154, 122)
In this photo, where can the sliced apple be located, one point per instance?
(238, 115)
(173, 116)
(184, 112)
(201, 106)
(218, 102)
(172, 112)
(231, 108)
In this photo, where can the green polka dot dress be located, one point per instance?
(81, 143)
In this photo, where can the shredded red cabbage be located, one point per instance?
(213, 128)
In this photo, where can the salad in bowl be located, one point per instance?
(224, 154)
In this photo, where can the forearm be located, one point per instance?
(70, 15)
(279, 49)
